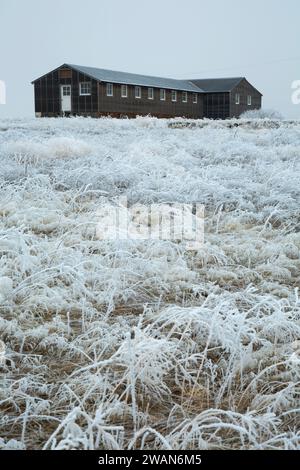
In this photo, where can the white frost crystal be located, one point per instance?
(117, 344)
(6, 285)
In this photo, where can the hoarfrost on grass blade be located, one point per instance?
(115, 344)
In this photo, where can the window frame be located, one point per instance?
(237, 98)
(111, 86)
(151, 95)
(195, 98)
(174, 96)
(66, 87)
(82, 85)
(249, 100)
(124, 87)
(137, 88)
(184, 96)
(162, 94)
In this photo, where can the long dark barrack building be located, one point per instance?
(75, 90)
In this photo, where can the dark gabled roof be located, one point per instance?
(215, 85)
(204, 85)
(124, 78)
(219, 85)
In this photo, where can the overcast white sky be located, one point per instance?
(259, 39)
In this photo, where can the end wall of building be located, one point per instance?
(244, 89)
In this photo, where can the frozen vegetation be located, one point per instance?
(143, 344)
(262, 114)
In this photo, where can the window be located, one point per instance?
(184, 97)
(237, 98)
(249, 100)
(85, 88)
(150, 94)
(195, 98)
(109, 89)
(162, 95)
(124, 92)
(66, 90)
(174, 95)
(138, 92)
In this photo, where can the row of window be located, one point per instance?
(85, 89)
(238, 99)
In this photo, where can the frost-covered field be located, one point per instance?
(132, 344)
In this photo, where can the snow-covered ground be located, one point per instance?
(144, 344)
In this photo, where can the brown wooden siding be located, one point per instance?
(210, 105)
(65, 73)
(47, 94)
(84, 105)
(216, 105)
(244, 89)
(132, 106)
(48, 100)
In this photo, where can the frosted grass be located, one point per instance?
(131, 344)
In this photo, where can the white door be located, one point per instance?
(65, 94)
